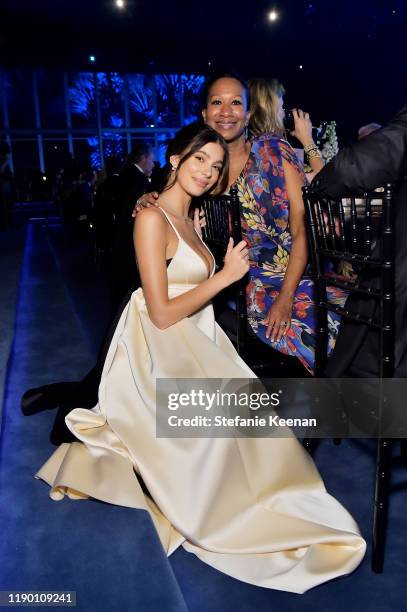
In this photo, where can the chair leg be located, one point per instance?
(383, 471)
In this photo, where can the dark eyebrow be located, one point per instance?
(206, 155)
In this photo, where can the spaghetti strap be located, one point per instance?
(170, 222)
(211, 269)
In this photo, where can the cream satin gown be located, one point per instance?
(255, 509)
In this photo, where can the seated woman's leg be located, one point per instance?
(299, 341)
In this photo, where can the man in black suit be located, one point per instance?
(136, 173)
(372, 162)
(132, 182)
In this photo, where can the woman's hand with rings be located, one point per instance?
(278, 319)
(144, 201)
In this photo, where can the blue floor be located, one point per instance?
(110, 555)
(11, 251)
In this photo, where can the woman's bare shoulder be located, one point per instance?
(151, 217)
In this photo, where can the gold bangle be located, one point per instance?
(313, 153)
(310, 147)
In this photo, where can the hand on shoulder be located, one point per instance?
(144, 201)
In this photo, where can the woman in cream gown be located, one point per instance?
(253, 508)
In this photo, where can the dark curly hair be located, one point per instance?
(207, 86)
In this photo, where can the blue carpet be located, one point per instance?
(110, 555)
(86, 287)
(11, 250)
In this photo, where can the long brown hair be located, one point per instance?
(188, 141)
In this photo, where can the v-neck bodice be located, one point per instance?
(187, 266)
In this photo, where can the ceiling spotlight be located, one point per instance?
(300, 66)
(92, 59)
(273, 16)
(119, 3)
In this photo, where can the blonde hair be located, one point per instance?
(264, 116)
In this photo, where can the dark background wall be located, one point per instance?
(352, 52)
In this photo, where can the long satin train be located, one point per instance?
(255, 509)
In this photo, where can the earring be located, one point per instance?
(246, 132)
(173, 168)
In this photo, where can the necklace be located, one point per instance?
(176, 214)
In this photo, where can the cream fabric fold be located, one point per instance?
(255, 509)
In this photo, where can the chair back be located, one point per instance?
(222, 215)
(360, 231)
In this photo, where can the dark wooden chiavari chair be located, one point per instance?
(359, 231)
(222, 221)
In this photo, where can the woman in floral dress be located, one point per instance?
(265, 208)
(269, 178)
(280, 295)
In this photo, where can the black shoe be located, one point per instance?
(47, 397)
(60, 432)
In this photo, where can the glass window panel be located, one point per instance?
(169, 91)
(86, 152)
(52, 102)
(110, 88)
(30, 183)
(4, 87)
(21, 100)
(141, 100)
(56, 155)
(114, 145)
(161, 146)
(25, 157)
(192, 84)
(82, 99)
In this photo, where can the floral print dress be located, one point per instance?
(265, 226)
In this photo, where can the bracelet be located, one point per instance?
(314, 153)
(309, 147)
